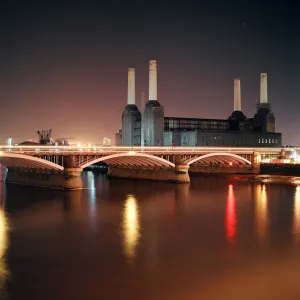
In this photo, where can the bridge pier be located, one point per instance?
(177, 174)
(71, 174)
(181, 170)
(72, 178)
(68, 179)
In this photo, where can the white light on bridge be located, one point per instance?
(258, 159)
(131, 152)
(9, 142)
(265, 160)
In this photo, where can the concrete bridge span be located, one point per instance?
(130, 158)
(61, 167)
(17, 160)
(220, 158)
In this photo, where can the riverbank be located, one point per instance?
(295, 180)
(260, 178)
(279, 173)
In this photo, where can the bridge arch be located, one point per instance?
(131, 158)
(14, 160)
(222, 158)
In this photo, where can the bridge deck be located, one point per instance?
(98, 150)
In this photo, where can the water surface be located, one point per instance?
(119, 239)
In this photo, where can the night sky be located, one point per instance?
(64, 66)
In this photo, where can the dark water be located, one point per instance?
(212, 239)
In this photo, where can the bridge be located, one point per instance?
(61, 166)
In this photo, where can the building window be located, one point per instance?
(259, 141)
(262, 141)
(276, 141)
(269, 141)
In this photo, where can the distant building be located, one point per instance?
(62, 142)
(106, 141)
(154, 129)
(118, 138)
(9, 142)
(45, 136)
(29, 143)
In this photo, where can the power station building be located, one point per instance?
(152, 128)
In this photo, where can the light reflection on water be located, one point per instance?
(4, 272)
(130, 226)
(174, 237)
(296, 217)
(261, 212)
(91, 180)
(230, 222)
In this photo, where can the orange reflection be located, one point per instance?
(230, 221)
(3, 247)
(261, 211)
(296, 217)
(180, 203)
(130, 226)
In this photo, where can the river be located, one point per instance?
(119, 239)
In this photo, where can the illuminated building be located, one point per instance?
(235, 131)
(106, 141)
(153, 116)
(118, 138)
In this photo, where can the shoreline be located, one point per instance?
(294, 180)
(259, 178)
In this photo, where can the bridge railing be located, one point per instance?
(109, 149)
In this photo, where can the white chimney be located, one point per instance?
(131, 86)
(263, 88)
(152, 80)
(237, 95)
(142, 101)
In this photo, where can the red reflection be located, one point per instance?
(230, 220)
